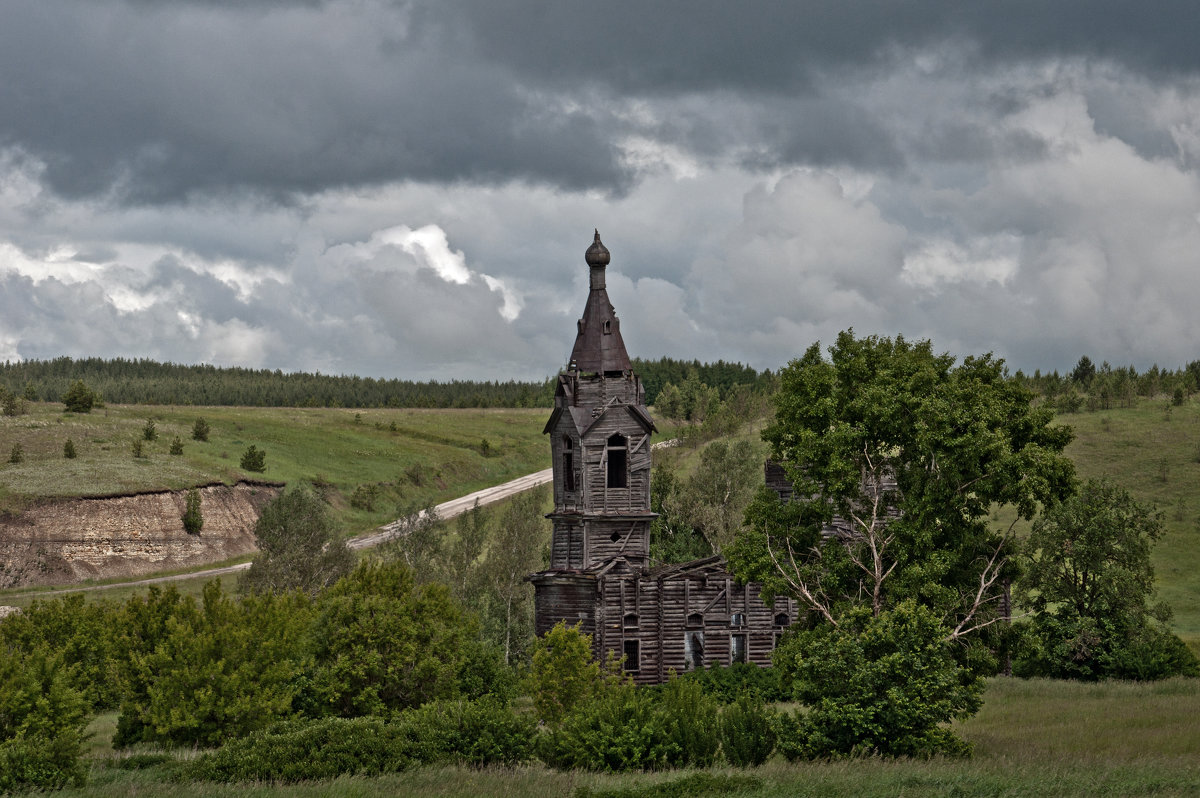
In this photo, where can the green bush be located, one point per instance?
(138, 448)
(383, 643)
(305, 750)
(881, 684)
(41, 723)
(562, 672)
(747, 732)
(17, 455)
(176, 446)
(483, 732)
(69, 449)
(727, 684)
(477, 733)
(619, 729)
(254, 459)
(149, 431)
(222, 669)
(200, 430)
(690, 720)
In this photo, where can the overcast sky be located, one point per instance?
(399, 189)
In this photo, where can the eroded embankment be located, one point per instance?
(62, 541)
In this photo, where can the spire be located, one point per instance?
(598, 344)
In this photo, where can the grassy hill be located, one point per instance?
(1153, 450)
(411, 456)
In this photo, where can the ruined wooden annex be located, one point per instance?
(661, 618)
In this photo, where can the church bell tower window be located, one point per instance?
(618, 461)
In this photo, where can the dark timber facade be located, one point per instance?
(661, 618)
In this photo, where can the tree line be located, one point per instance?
(1091, 387)
(149, 382)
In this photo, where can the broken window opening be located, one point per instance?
(618, 459)
(632, 663)
(737, 648)
(693, 650)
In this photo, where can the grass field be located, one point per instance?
(1032, 738)
(415, 456)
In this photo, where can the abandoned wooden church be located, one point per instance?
(662, 618)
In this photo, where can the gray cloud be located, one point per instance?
(246, 183)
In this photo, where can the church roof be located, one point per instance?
(598, 344)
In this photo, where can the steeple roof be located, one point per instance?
(598, 344)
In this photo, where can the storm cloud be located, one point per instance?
(406, 189)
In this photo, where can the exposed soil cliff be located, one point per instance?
(76, 539)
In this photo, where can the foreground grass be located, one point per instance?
(1032, 738)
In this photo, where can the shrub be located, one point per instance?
(477, 733)
(254, 459)
(138, 448)
(690, 720)
(79, 398)
(365, 496)
(193, 521)
(176, 446)
(69, 449)
(747, 731)
(617, 730)
(383, 643)
(200, 430)
(562, 672)
(483, 732)
(881, 684)
(727, 684)
(299, 751)
(17, 455)
(149, 431)
(41, 724)
(220, 670)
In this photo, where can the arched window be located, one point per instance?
(782, 619)
(568, 463)
(618, 461)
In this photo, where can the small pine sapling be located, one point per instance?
(200, 430)
(17, 454)
(254, 459)
(176, 446)
(149, 432)
(193, 521)
(69, 449)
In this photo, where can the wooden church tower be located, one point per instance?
(600, 574)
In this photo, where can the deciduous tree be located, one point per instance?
(1089, 581)
(300, 546)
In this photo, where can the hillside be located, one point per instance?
(390, 457)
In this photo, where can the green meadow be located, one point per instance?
(412, 456)
(1032, 738)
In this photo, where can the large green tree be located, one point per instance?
(909, 451)
(896, 455)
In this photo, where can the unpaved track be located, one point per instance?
(387, 532)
